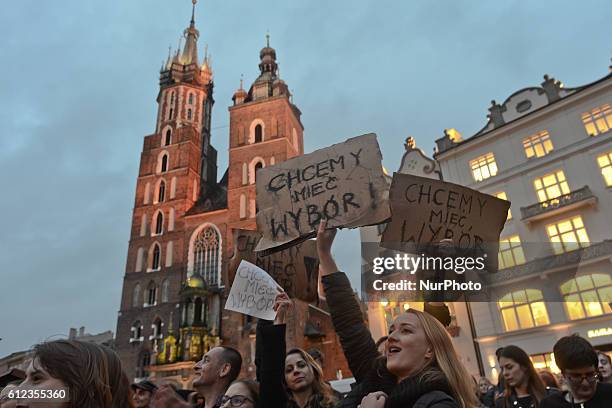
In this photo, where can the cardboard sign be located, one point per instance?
(425, 211)
(344, 184)
(252, 292)
(295, 268)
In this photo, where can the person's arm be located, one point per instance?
(357, 343)
(271, 365)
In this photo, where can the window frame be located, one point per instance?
(481, 162)
(516, 302)
(565, 246)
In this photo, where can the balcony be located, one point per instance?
(583, 197)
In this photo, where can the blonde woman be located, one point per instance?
(419, 366)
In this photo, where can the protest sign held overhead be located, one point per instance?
(295, 268)
(343, 183)
(253, 292)
(426, 211)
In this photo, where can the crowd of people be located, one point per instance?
(416, 365)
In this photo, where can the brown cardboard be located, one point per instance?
(343, 183)
(295, 269)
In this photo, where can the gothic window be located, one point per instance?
(136, 331)
(164, 163)
(207, 254)
(258, 133)
(189, 114)
(157, 328)
(165, 291)
(151, 294)
(258, 166)
(190, 99)
(156, 256)
(159, 223)
(136, 295)
(161, 192)
(168, 137)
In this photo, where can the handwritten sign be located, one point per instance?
(295, 268)
(425, 211)
(252, 292)
(343, 183)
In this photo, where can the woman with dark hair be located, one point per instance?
(549, 379)
(241, 393)
(605, 367)
(288, 380)
(91, 376)
(524, 387)
(419, 366)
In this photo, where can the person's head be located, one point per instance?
(91, 374)
(220, 365)
(548, 379)
(241, 393)
(578, 363)
(484, 384)
(142, 393)
(302, 373)
(518, 371)
(417, 341)
(605, 366)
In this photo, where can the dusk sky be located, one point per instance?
(79, 79)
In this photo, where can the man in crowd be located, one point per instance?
(143, 393)
(578, 363)
(214, 373)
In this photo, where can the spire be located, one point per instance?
(241, 81)
(268, 38)
(191, 34)
(267, 55)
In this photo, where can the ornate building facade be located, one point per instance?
(176, 279)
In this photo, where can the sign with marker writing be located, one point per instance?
(295, 268)
(343, 183)
(253, 292)
(425, 211)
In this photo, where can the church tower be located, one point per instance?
(265, 128)
(178, 170)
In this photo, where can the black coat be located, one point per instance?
(367, 364)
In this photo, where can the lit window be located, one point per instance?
(523, 309)
(605, 164)
(537, 145)
(483, 167)
(551, 186)
(510, 252)
(568, 235)
(587, 296)
(545, 361)
(598, 120)
(503, 196)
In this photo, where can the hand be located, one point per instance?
(166, 397)
(325, 239)
(374, 400)
(282, 303)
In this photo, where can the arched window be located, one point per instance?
(136, 295)
(161, 193)
(190, 99)
(151, 294)
(155, 257)
(587, 296)
(156, 327)
(136, 331)
(159, 223)
(258, 133)
(164, 163)
(189, 114)
(165, 291)
(243, 201)
(207, 255)
(168, 137)
(258, 166)
(523, 309)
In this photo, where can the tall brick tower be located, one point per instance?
(177, 171)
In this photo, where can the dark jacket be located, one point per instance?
(601, 399)
(367, 364)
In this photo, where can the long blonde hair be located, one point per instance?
(446, 359)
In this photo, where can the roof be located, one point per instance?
(216, 199)
(518, 105)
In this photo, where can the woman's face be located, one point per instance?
(37, 378)
(483, 384)
(605, 369)
(407, 349)
(238, 395)
(514, 374)
(298, 373)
